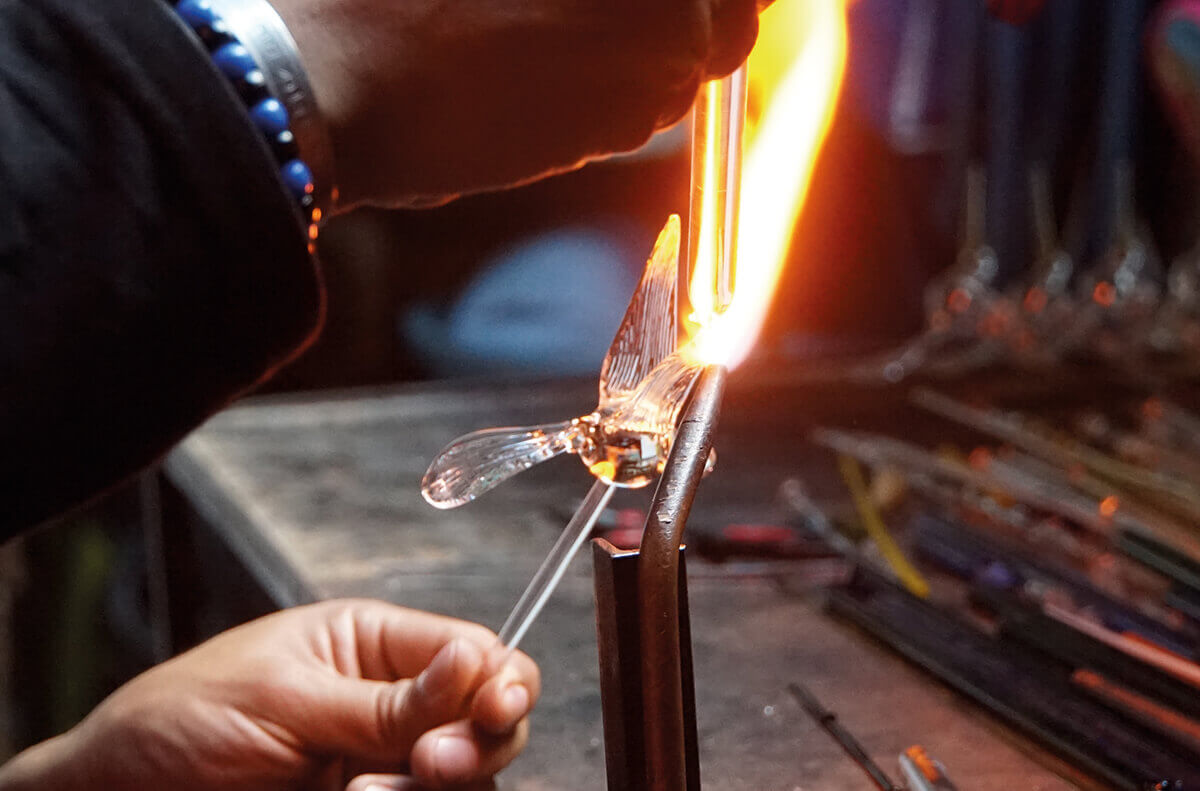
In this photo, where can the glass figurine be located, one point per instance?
(643, 383)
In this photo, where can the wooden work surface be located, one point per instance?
(319, 499)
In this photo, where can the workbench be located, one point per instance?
(318, 497)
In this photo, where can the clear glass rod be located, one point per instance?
(554, 566)
(718, 127)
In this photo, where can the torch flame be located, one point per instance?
(795, 75)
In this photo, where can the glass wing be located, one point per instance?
(479, 461)
(649, 331)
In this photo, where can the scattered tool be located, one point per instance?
(905, 571)
(923, 772)
(794, 496)
(1019, 684)
(828, 720)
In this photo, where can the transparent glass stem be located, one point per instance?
(553, 567)
(718, 126)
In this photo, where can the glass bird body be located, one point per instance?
(625, 441)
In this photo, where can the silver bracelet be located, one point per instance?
(259, 28)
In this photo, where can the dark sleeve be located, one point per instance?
(152, 266)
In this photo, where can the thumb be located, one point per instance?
(379, 722)
(404, 783)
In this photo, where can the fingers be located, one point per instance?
(735, 28)
(508, 696)
(378, 719)
(392, 642)
(379, 722)
(383, 783)
(678, 102)
(491, 738)
(468, 750)
(733, 31)
(437, 696)
(459, 753)
(439, 693)
(403, 783)
(460, 719)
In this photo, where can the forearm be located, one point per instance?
(151, 265)
(44, 766)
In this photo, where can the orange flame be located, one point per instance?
(795, 75)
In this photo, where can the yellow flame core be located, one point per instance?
(795, 75)
(709, 238)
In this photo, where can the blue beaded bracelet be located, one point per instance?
(267, 112)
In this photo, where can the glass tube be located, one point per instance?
(553, 567)
(718, 126)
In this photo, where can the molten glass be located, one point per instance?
(718, 122)
(795, 71)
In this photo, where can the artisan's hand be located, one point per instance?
(305, 699)
(428, 98)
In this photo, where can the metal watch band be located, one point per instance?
(265, 36)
